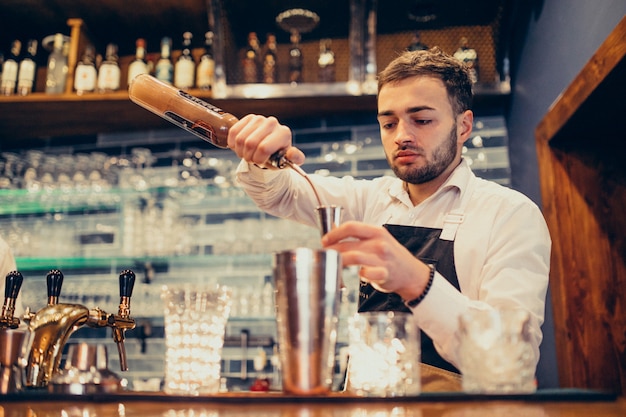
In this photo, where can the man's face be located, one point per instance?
(418, 129)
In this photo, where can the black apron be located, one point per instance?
(426, 245)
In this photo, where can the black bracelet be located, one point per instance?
(414, 302)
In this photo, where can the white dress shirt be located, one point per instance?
(501, 249)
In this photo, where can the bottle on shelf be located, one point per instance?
(185, 68)
(86, 75)
(416, 43)
(27, 70)
(270, 60)
(469, 57)
(56, 74)
(295, 58)
(139, 64)
(109, 71)
(251, 58)
(10, 68)
(326, 62)
(164, 69)
(205, 74)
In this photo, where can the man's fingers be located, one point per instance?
(351, 229)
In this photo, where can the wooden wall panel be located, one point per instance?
(583, 186)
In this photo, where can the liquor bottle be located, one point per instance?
(10, 69)
(109, 72)
(469, 57)
(250, 64)
(56, 75)
(139, 64)
(27, 70)
(185, 68)
(164, 70)
(86, 75)
(295, 58)
(205, 76)
(326, 62)
(416, 43)
(192, 114)
(270, 60)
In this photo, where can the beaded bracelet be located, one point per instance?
(414, 302)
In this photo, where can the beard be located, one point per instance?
(441, 159)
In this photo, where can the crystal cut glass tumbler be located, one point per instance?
(495, 352)
(195, 321)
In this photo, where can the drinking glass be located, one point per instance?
(195, 321)
(384, 349)
(495, 352)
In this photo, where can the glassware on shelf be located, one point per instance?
(10, 175)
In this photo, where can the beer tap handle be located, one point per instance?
(127, 283)
(54, 279)
(123, 321)
(13, 284)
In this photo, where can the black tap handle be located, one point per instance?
(127, 282)
(13, 283)
(54, 280)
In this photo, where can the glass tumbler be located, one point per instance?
(385, 351)
(495, 352)
(195, 322)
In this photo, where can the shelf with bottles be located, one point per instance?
(69, 114)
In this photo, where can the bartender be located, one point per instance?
(434, 239)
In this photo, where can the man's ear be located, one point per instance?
(465, 123)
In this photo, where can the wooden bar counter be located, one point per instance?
(561, 403)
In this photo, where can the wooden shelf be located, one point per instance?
(589, 108)
(583, 186)
(44, 116)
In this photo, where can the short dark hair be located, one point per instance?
(437, 64)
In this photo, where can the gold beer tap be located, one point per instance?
(123, 321)
(13, 283)
(50, 328)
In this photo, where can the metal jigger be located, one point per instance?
(307, 283)
(328, 217)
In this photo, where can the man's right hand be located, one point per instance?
(255, 138)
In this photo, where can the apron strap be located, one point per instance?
(451, 224)
(456, 216)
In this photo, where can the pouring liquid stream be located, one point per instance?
(306, 177)
(196, 116)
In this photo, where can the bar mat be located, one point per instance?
(543, 395)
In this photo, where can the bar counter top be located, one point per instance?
(561, 403)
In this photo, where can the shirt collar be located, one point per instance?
(458, 180)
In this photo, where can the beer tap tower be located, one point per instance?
(50, 328)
